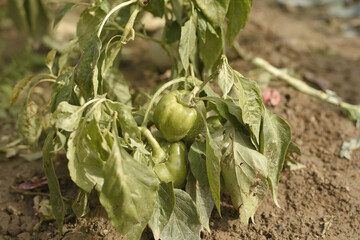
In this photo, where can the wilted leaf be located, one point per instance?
(245, 176)
(89, 22)
(85, 72)
(29, 122)
(56, 200)
(87, 151)
(164, 207)
(129, 192)
(187, 42)
(79, 206)
(49, 61)
(276, 137)
(184, 223)
(67, 116)
(116, 87)
(348, 147)
(128, 125)
(21, 88)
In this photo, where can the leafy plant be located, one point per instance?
(113, 147)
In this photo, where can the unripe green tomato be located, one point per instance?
(174, 169)
(177, 121)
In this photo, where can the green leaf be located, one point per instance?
(245, 176)
(172, 32)
(157, 8)
(226, 78)
(56, 200)
(237, 15)
(79, 206)
(210, 51)
(213, 156)
(16, 11)
(59, 16)
(187, 42)
(49, 61)
(215, 11)
(29, 122)
(201, 26)
(87, 151)
(277, 137)
(89, 22)
(198, 184)
(250, 101)
(85, 72)
(177, 6)
(21, 88)
(38, 20)
(184, 222)
(128, 125)
(67, 116)
(164, 207)
(129, 192)
(116, 87)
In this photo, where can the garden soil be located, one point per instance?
(321, 200)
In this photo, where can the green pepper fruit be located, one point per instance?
(177, 120)
(174, 168)
(214, 122)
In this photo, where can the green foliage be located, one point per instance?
(91, 115)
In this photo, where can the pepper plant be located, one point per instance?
(164, 164)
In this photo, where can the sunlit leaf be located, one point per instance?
(276, 137)
(245, 176)
(67, 116)
(226, 78)
(250, 101)
(187, 42)
(129, 192)
(87, 151)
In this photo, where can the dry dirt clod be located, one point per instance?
(4, 222)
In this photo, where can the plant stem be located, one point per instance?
(116, 8)
(352, 111)
(158, 92)
(128, 29)
(159, 154)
